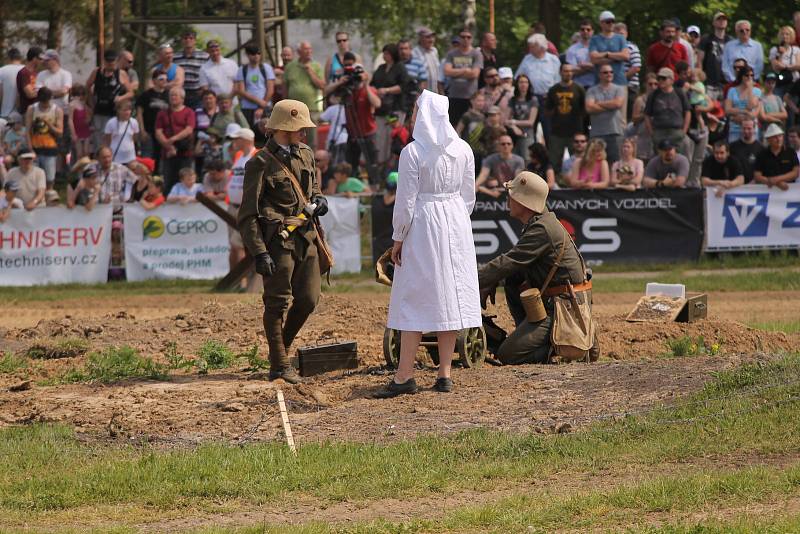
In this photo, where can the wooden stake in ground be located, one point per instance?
(287, 429)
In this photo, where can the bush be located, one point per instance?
(58, 348)
(688, 346)
(214, 355)
(114, 364)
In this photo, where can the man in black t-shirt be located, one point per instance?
(777, 165)
(709, 55)
(721, 171)
(566, 105)
(148, 105)
(746, 149)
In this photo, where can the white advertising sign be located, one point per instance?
(55, 246)
(175, 241)
(753, 217)
(343, 234)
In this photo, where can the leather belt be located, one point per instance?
(558, 290)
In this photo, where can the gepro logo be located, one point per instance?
(152, 227)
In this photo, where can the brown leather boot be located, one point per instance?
(279, 364)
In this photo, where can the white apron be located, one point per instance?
(436, 288)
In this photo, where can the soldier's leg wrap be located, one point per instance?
(528, 343)
(277, 294)
(306, 284)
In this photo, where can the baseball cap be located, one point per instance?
(666, 72)
(530, 190)
(11, 186)
(231, 129)
(243, 133)
(505, 73)
(424, 31)
(52, 54)
(693, 29)
(391, 180)
(720, 14)
(90, 171)
(665, 144)
(213, 43)
(27, 155)
(606, 15)
(493, 110)
(771, 76)
(773, 130)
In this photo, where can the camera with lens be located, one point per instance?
(352, 73)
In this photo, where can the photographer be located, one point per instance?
(359, 102)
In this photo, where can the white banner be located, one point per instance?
(343, 233)
(174, 241)
(753, 217)
(55, 246)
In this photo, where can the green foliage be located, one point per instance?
(788, 327)
(175, 360)
(254, 362)
(10, 363)
(688, 346)
(114, 364)
(214, 355)
(58, 348)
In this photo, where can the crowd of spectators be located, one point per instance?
(691, 109)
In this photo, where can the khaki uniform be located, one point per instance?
(292, 293)
(530, 261)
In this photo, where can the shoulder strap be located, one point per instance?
(557, 262)
(295, 182)
(244, 72)
(263, 72)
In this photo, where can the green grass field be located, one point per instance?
(732, 446)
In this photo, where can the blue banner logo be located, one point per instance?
(746, 215)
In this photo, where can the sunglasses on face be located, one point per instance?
(342, 40)
(505, 144)
(609, 21)
(661, 78)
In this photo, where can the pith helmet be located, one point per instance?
(530, 190)
(290, 116)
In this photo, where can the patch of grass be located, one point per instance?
(788, 327)
(114, 364)
(763, 259)
(214, 355)
(58, 348)
(175, 360)
(112, 289)
(689, 346)
(742, 281)
(254, 363)
(11, 363)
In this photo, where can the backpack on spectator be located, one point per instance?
(260, 68)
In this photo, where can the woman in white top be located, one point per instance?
(120, 133)
(785, 60)
(627, 173)
(435, 286)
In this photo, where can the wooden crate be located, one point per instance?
(657, 309)
(695, 308)
(326, 358)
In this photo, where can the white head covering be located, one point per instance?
(432, 127)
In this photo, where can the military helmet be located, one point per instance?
(290, 116)
(530, 190)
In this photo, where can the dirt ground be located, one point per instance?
(236, 405)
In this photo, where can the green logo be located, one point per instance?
(152, 227)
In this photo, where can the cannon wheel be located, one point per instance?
(471, 346)
(391, 347)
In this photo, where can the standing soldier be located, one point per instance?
(275, 225)
(544, 256)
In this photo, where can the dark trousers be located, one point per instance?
(543, 118)
(366, 147)
(458, 106)
(529, 342)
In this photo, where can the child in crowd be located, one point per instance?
(154, 196)
(80, 120)
(391, 189)
(9, 201)
(187, 187)
(346, 184)
(87, 192)
(215, 180)
(15, 137)
(142, 169)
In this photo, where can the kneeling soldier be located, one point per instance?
(545, 255)
(275, 226)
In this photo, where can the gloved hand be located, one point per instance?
(322, 205)
(265, 266)
(488, 293)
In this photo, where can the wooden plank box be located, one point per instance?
(328, 357)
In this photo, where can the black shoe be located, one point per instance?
(393, 389)
(288, 375)
(443, 385)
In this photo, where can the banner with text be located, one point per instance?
(55, 246)
(753, 217)
(343, 233)
(175, 241)
(608, 226)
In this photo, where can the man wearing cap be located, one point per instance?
(667, 169)
(218, 72)
(9, 201)
(30, 181)
(743, 47)
(608, 48)
(270, 205)
(191, 60)
(243, 141)
(693, 34)
(777, 165)
(426, 52)
(667, 52)
(26, 79)
(667, 113)
(55, 78)
(709, 55)
(527, 265)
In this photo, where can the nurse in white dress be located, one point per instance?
(435, 287)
